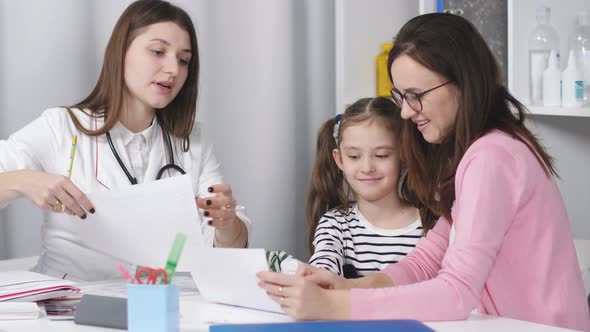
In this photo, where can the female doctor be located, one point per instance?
(135, 126)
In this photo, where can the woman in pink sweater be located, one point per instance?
(502, 244)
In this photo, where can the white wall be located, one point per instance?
(37, 74)
(265, 97)
(568, 141)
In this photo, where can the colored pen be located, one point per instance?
(174, 255)
(74, 143)
(126, 274)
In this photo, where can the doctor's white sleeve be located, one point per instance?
(34, 146)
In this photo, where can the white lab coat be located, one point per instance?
(45, 145)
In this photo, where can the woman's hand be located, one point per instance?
(322, 277)
(230, 231)
(302, 299)
(52, 192)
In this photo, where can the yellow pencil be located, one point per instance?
(74, 142)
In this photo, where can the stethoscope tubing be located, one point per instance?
(168, 166)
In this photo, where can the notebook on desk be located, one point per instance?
(327, 326)
(25, 286)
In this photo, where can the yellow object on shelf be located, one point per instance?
(383, 83)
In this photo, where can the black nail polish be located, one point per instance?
(210, 189)
(83, 216)
(92, 210)
(208, 202)
(206, 213)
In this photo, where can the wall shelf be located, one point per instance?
(560, 111)
(521, 21)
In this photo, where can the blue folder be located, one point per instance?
(327, 326)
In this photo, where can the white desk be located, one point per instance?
(191, 322)
(193, 307)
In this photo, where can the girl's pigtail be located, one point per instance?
(326, 189)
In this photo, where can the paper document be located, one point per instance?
(229, 276)
(138, 224)
(25, 286)
(201, 314)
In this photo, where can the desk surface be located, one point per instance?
(191, 322)
(192, 309)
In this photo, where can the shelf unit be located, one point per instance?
(521, 21)
(362, 25)
(560, 111)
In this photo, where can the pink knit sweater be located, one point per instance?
(512, 255)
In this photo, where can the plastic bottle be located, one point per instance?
(383, 83)
(542, 40)
(579, 42)
(552, 82)
(573, 83)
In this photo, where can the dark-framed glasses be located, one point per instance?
(413, 99)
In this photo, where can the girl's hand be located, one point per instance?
(230, 231)
(55, 193)
(322, 277)
(302, 299)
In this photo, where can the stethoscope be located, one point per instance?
(171, 165)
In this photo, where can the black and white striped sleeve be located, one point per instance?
(328, 244)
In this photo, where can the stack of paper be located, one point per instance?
(25, 286)
(18, 310)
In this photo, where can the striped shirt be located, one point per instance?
(349, 239)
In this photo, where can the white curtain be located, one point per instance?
(267, 83)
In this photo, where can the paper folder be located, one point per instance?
(327, 326)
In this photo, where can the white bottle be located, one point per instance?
(542, 40)
(579, 42)
(552, 82)
(573, 83)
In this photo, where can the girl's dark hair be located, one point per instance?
(327, 189)
(451, 46)
(106, 99)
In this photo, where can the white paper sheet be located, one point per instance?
(203, 314)
(138, 224)
(229, 276)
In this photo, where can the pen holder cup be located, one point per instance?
(152, 308)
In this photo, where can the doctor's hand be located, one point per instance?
(55, 193)
(302, 299)
(230, 231)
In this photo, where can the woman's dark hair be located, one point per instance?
(451, 46)
(328, 189)
(106, 99)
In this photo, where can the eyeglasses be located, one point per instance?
(413, 99)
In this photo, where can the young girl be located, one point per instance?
(360, 147)
(138, 118)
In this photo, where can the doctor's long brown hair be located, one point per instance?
(451, 46)
(107, 97)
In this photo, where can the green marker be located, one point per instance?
(174, 255)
